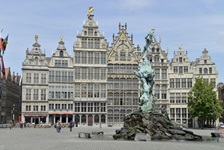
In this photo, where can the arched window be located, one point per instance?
(83, 119)
(96, 119)
(61, 53)
(36, 60)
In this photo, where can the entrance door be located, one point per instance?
(90, 120)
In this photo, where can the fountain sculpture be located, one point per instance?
(150, 120)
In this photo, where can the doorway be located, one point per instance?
(90, 120)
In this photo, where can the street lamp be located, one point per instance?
(13, 114)
(100, 115)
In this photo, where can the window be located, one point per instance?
(77, 107)
(164, 74)
(157, 91)
(184, 98)
(205, 61)
(180, 70)
(172, 99)
(35, 107)
(175, 69)
(103, 58)
(83, 107)
(164, 88)
(122, 56)
(43, 94)
(77, 57)
(61, 54)
(28, 108)
(28, 94)
(97, 43)
(35, 94)
(28, 77)
(43, 108)
(90, 107)
(200, 70)
(185, 69)
(83, 90)
(90, 43)
(180, 59)
(177, 82)
(157, 74)
(70, 106)
(84, 73)
(43, 77)
(83, 119)
(84, 57)
(90, 31)
(64, 63)
(210, 70)
(205, 71)
(177, 98)
(36, 60)
(189, 83)
(213, 81)
(77, 90)
(97, 58)
(77, 73)
(156, 58)
(90, 57)
(84, 43)
(171, 83)
(183, 82)
(36, 77)
(51, 106)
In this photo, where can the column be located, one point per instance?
(66, 118)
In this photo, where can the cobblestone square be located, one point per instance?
(49, 139)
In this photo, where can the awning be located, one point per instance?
(33, 115)
(60, 113)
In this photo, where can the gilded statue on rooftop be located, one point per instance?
(91, 9)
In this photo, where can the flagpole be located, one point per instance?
(1, 83)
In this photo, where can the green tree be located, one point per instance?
(203, 102)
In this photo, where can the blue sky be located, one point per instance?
(194, 24)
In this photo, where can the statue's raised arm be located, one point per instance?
(149, 39)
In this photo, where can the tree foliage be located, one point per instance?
(203, 102)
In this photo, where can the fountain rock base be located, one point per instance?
(156, 125)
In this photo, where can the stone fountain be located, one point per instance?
(150, 122)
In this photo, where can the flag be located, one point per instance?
(2, 66)
(4, 43)
(1, 40)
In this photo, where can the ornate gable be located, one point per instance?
(35, 57)
(122, 48)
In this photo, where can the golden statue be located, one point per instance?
(91, 9)
(36, 38)
(61, 37)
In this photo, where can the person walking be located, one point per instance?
(10, 125)
(71, 125)
(58, 126)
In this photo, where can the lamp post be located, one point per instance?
(100, 116)
(13, 114)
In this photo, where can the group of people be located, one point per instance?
(58, 126)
